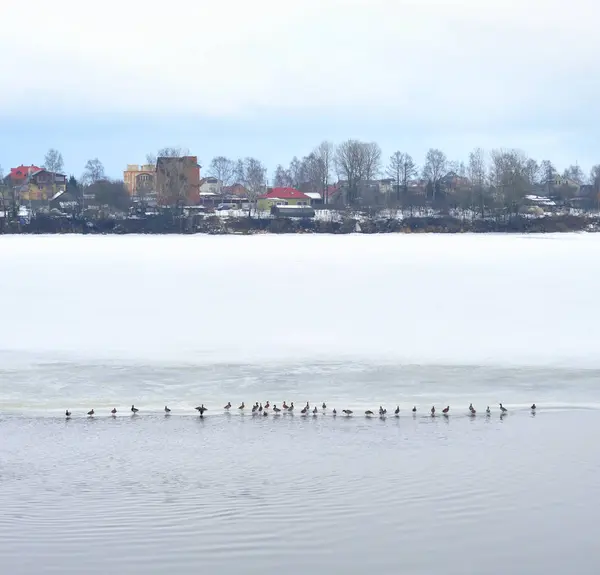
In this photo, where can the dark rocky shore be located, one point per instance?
(244, 225)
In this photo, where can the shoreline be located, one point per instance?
(343, 225)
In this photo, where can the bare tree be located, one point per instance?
(144, 188)
(595, 176)
(349, 163)
(239, 171)
(508, 172)
(547, 174)
(575, 173)
(53, 161)
(282, 177)
(313, 173)
(325, 155)
(296, 172)
(372, 160)
(402, 169)
(93, 172)
(532, 171)
(435, 168)
(356, 162)
(167, 152)
(477, 171)
(173, 152)
(223, 169)
(253, 176)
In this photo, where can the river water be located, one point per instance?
(354, 321)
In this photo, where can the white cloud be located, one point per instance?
(416, 58)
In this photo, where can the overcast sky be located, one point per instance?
(272, 78)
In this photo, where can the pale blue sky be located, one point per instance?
(275, 78)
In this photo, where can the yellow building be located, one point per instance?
(282, 197)
(42, 186)
(140, 180)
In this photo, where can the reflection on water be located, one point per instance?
(178, 494)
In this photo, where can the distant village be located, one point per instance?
(350, 178)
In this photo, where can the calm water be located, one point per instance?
(103, 322)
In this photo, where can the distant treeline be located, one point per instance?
(355, 173)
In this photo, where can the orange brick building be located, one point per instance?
(178, 181)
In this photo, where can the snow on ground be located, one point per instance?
(404, 298)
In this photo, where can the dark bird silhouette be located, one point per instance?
(348, 411)
(228, 406)
(334, 412)
(167, 410)
(67, 413)
(502, 408)
(368, 413)
(134, 409)
(533, 407)
(397, 412)
(433, 410)
(91, 412)
(201, 410)
(414, 409)
(446, 410)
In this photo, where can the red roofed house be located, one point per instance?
(19, 175)
(282, 197)
(35, 184)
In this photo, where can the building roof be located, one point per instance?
(285, 194)
(187, 160)
(22, 172)
(332, 190)
(313, 195)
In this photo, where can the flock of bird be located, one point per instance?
(258, 409)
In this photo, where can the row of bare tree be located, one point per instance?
(510, 174)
